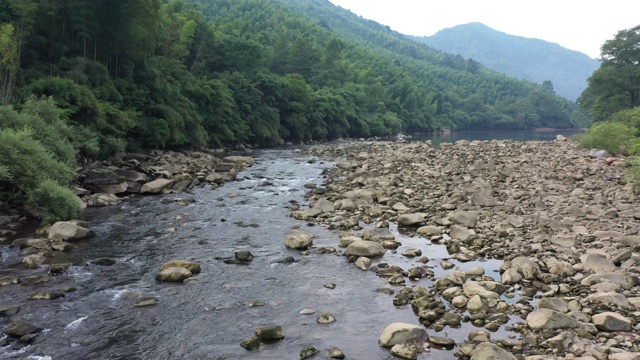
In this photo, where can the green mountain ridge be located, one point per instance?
(524, 58)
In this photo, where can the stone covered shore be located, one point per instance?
(563, 220)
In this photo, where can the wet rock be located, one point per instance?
(244, 256)
(472, 288)
(308, 352)
(146, 301)
(19, 327)
(609, 298)
(299, 240)
(336, 353)
(254, 303)
(192, 266)
(611, 321)
(307, 311)
(490, 351)
(550, 319)
(401, 333)
(330, 286)
(412, 252)
(70, 231)
(326, 319)
(173, 274)
(9, 310)
(156, 186)
(461, 233)
(442, 341)
(284, 260)
(555, 304)
(103, 261)
(270, 333)
(365, 248)
(378, 234)
(597, 263)
(405, 351)
(251, 343)
(46, 295)
(428, 231)
(34, 261)
(363, 263)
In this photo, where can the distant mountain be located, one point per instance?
(530, 59)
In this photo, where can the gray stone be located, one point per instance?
(401, 333)
(410, 219)
(363, 263)
(270, 333)
(192, 266)
(597, 263)
(405, 351)
(335, 353)
(365, 248)
(491, 351)
(610, 321)
(19, 327)
(69, 231)
(468, 219)
(156, 186)
(428, 231)
(173, 274)
(299, 240)
(550, 319)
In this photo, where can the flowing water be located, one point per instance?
(207, 318)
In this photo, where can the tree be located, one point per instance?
(615, 85)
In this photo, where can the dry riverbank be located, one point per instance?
(564, 222)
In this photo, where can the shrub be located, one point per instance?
(610, 136)
(52, 202)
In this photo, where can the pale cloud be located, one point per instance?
(577, 25)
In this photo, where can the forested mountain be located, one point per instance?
(159, 73)
(530, 59)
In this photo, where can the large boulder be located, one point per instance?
(411, 219)
(19, 327)
(156, 186)
(70, 231)
(550, 319)
(299, 240)
(365, 248)
(401, 333)
(610, 321)
(192, 266)
(491, 351)
(105, 181)
(173, 274)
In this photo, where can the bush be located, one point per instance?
(610, 136)
(52, 202)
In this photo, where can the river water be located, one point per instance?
(207, 318)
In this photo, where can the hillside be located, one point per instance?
(530, 59)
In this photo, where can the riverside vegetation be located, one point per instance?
(155, 74)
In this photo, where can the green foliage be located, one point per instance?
(52, 202)
(612, 137)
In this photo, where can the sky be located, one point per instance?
(580, 25)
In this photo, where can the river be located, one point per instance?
(207, 318)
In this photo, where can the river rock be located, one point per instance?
(48, 295)
(405, 351)
(366, 248)
(192, 266)
(251, 343)
(19, 327)
(308, 352)
(173, 274)
(244, 256)
(299, 240)
(491, 351)
(270, 333)
(428, 231)
(326, 319)
(442, 341)
(9, 310)
(378, 234)
(472, 288)
(461, 233)
(103, 261)
(400, 333)
(550, 319)
(34, 261)
(555, 304)
(146, 301)
(468, 219)
(609, 298)
(597, 263)
(156, 186)
(412, 252)
(410, 219)
(611, 321)
(336, 353)
(363, 263)
(70, 231)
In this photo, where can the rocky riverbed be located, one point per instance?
(563, 220)
(499, 249)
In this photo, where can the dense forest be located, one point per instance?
(524, 58)
(94, 77)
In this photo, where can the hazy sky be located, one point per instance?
(575, 24)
